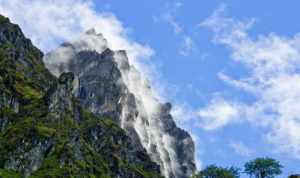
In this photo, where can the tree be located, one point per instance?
(263, 168)
(213, 171)
(295, 176)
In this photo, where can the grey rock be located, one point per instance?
(28, 157)
(44, 130)
(103, 88)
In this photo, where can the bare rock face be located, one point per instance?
(44, 130)
(107, 85)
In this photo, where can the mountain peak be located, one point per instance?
(110, 86)
(98, 117)
(46, 132)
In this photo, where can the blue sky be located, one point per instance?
(195, 74)
(228, 67)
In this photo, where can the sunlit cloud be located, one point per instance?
(273, 63)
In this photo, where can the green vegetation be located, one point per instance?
(263, 168)
(28, 92)
(92, 165)
(295, 176)
(9, 174)
(141, 171)
(257, 168)
(45, 131)
(213, 171)
(3, 20)
(36, 121)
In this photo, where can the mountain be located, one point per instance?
(47, 132)
(108, 85)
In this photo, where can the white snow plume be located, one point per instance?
(58, 21)
(59, 58)
(148, 124)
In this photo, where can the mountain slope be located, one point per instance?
(44, 131)
(109, 86)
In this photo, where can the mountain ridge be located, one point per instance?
(45, 132)
(108, 85)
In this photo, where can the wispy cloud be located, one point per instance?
(218, 113)
(273, 62)
(186, 45)
(50, 22)
(60, 21)
(170, 16)
(241, 149)
(177, 28)
(184, 116)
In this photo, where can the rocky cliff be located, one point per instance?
(109, 86)
(46, 132)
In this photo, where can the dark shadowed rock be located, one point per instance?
(44, 130)
(109, 86)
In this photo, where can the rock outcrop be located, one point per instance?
(44, 130)
(109, 86)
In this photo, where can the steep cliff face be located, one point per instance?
(44, 130)
(109, 86)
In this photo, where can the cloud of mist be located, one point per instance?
(51, 22)
(153, 133)
(60, 21)
(273, 62)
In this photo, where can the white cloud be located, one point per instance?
(273, 62)
(218, 114)
(182, 113)
(184, 116)
(59, 21)
(198, 152)
(186, 46)
(50, 22)
(177, 28)
(241, 149)
(170, 16)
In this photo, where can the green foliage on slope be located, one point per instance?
(213, 171)
(45, 133)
